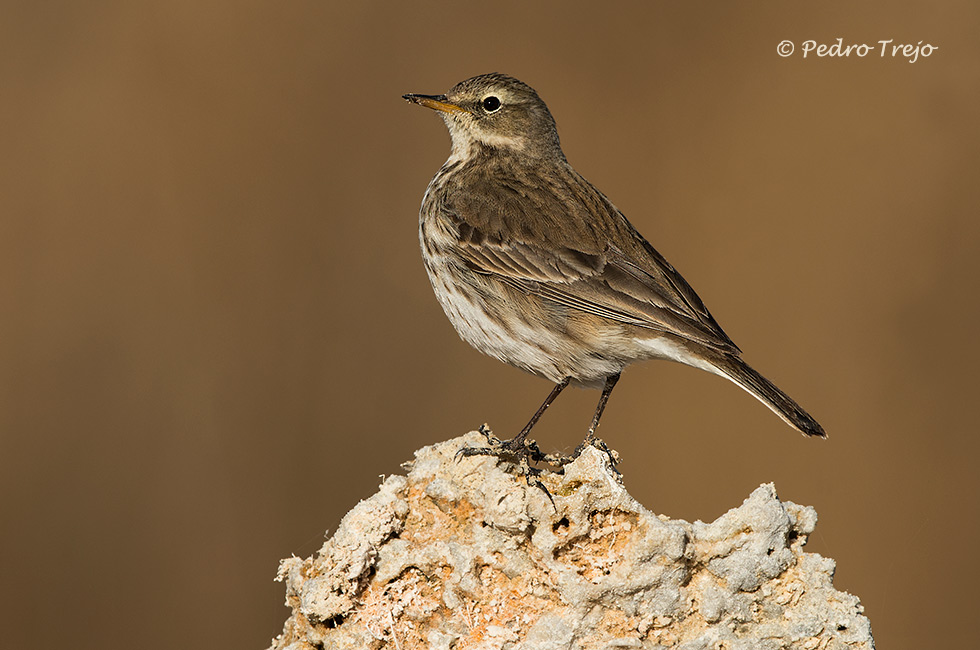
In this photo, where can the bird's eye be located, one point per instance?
(491, 104)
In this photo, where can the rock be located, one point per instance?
(466, 555)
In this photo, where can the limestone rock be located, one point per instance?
(465, 555)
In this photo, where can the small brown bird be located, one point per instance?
(537, 268)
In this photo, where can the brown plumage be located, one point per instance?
(535, 267)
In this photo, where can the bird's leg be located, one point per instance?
(590, 438)
(606, 392)
(517, 442)
(518, 445)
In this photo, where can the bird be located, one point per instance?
(537, 268)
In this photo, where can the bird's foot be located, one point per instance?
(512, 450)
(590, 441)
(521, 453)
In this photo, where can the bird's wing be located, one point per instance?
(591, 260)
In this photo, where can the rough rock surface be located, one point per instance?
(465, 555)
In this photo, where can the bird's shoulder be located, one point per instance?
(525, 221)
(510, 201)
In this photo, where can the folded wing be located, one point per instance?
(589, 258)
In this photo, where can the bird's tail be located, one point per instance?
(766, 392)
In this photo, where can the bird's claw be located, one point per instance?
(518, 452)
(590, 441)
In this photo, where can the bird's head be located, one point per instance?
(495, 111)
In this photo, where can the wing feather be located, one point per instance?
(571, 246)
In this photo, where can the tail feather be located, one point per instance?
(766, 392)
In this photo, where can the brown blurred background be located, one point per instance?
(216, 330)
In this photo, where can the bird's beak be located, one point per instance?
(435, 102)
